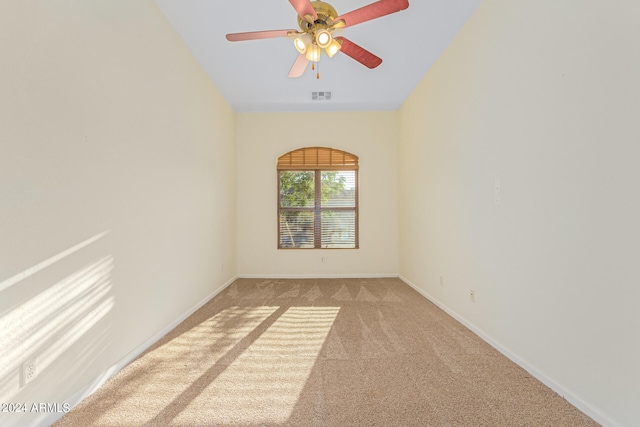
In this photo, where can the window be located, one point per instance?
(317, 199)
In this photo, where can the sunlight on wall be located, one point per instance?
(263, 384)
(49, 323)
(40, 266)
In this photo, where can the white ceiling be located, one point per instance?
(252, 75)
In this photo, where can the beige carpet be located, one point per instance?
(339, 352)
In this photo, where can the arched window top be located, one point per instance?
(318, 158)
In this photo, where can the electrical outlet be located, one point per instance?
(441, 281)
(472, 295)
(29, 371)
(324, 259)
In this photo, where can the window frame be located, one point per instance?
(308, 162)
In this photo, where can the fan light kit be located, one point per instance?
(318, 22)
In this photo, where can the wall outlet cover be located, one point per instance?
(29, 371)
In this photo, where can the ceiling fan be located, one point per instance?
(318, 21)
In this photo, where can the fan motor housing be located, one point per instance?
(326, 15)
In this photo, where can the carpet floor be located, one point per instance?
(322, 352)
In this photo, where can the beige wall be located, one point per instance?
(546, 95)
(117, 189)
(262, 138)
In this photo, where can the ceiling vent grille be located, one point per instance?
(321, 96)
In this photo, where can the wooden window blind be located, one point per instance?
(317, 199)
(318, 158)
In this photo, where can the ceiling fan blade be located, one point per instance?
(358, 53)
(257, 35)
(305, 10)
(299, 66)
(372, 11)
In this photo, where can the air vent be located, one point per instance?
(321, 96)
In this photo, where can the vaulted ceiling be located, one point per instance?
(253, 75)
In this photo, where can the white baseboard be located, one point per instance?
(318, 276)
(117, 367)
(570, 397)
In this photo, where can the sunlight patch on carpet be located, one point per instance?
(165, 376)
(264, 383)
